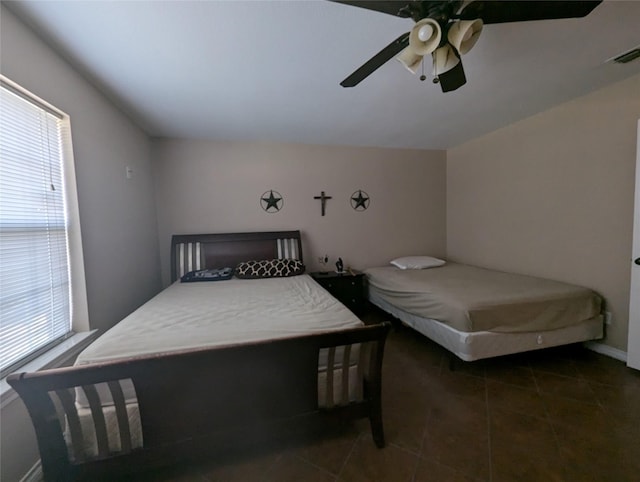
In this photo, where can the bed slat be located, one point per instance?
(331, 355)
(362, 363)
(288, 248)
(98, 419)
(121, 414)
(73, 423)
(346, 369)
(189, 258)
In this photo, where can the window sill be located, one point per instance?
(57, 356)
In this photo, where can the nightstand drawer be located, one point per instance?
(343, 286)
(355, 304)
(346, 288)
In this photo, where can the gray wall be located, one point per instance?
(552, 196)
(117, 215)
(207, 186)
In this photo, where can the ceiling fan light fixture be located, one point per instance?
(409, 60)
(425, 36)
(449, 29)
(464, 34)
(444, 59)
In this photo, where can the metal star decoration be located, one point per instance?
(269, 201)
(360, 200)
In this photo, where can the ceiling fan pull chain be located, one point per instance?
(435, 68)
(422, 77)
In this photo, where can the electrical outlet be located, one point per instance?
(608, 317)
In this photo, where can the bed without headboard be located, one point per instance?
(480, 313)
(163, 382)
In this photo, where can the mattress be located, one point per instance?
(472, 299)
(471, 346)
(217, 314)
(222, 313)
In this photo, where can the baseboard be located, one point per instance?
(607, 350)
(35, 474)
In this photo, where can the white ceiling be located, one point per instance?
(270, 70)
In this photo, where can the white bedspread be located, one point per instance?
(206, 314)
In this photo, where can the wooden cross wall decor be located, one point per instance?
(323, 200)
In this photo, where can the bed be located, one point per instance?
(207, 361)
(478, 313)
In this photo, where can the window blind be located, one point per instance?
(35, 296)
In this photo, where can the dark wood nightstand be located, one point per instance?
(347, 288)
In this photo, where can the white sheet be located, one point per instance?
(216, 314)
(220, 313)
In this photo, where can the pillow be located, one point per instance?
(417, 262)
(269, 268)
(208, 275)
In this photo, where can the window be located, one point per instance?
(36, 302)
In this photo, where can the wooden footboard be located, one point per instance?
(184, 398)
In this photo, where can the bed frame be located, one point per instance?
(244, 389)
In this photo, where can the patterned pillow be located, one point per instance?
(269, 268)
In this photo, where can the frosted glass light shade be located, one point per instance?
(444, 59)
(464, 34)
(410, 60)
(425, 36)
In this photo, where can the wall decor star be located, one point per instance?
(360, 200)
(269, 201)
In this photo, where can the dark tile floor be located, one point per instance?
(564, 414)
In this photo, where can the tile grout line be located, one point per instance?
(486, 401)
(547, 413)
(269, 469)
(424, 435)
(346, 460)
(316, 466)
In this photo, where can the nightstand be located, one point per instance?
(347, 288)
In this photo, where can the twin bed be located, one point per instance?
(207, 362)
(478, 313)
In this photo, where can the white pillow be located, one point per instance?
(417, 262)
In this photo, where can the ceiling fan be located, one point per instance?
(448, 29)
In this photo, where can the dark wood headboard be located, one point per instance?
(210, 251)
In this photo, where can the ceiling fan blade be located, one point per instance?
(395, 8)
(452, 79)
(377, 61)
(521, 11)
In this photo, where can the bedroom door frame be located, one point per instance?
(633, 346)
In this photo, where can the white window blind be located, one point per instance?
(35, 299)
